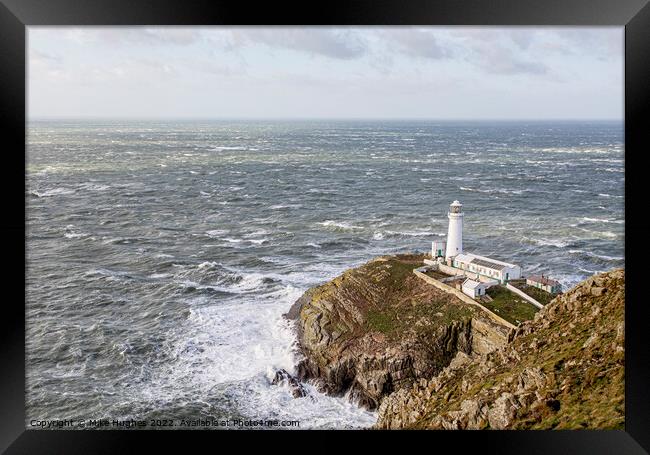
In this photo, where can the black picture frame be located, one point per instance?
(16, 15)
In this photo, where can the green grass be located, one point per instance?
(398, 270)
(509, 305)
(400, 310)
(394, 321)
(380, 321)
(540, 295)
(588, 382)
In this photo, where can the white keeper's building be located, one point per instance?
(487, 267)
(474, 288)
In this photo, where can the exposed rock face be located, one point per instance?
(282, 377)
(564, 369)
(378, 328)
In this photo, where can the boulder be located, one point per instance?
(283, 378)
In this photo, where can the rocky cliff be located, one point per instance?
(564, 370)
(377, 329)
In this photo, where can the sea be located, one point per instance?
(161, 255)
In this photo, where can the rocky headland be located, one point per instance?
(378, 328)
(425, 359)
(563, 370)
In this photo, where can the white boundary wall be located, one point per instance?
(463, 297)
(522, 294)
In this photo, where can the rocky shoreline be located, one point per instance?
(424, 359)
(377, 329)
(563, 370)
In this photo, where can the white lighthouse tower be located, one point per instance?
(455, 233)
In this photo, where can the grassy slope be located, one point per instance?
(409, 303)
(577, 344)
(386, 297)
(509, 305)
(540, 295)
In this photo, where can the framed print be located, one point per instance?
(361, 219)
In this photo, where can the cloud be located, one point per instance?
(123, 36)
(493, 51)
(37, 56)
(45, 65)
(414, 42)
(142, 72)
(332, 43)
(590, 40)
(501, 60)
(523, 38)
(499, 51)
(381, 71)
(217, 69)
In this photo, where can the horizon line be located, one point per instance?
(428, 119)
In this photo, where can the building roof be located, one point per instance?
(483, 261)
(493, 261)
(543, 280)
(462, 257)
(488, 264)
(471, 284)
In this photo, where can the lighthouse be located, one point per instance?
(477, 270)
(455, 233)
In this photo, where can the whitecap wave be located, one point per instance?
(492, 190)
(75, 235)
(216, 232)
(601, 220)
(226, 147)
(90, 186)
(339, 225)
(596, 256)
(548, 242)
(600, 234)
(53, 192)
(157, 276)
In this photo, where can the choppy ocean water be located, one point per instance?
(161, 255)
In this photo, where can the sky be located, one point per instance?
(443, 73)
